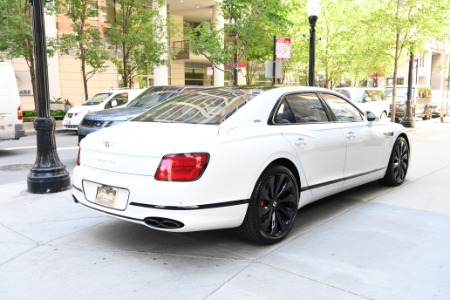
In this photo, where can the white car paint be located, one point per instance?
(329, 157)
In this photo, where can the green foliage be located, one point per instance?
(30, 115)
(16, 35)
(137, 33)
(85, 42)
(248, 36)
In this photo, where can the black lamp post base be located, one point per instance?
(44, 182)
(408, 122)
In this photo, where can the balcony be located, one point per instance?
(182, 50)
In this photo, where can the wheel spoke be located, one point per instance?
(277, 205)
(400, 161)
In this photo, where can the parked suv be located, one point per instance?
(100, 101)
(368, 99)
(421, 103)
(146, 100)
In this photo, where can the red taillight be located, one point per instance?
(78, 157)
(19, 113)
(182, 167)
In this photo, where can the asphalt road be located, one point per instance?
(17, 157)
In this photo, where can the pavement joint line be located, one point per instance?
(19, 255)
(226, 282)
(316, 281)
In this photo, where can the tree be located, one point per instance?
(85, 39)
(16, 35)
(136, 34)
(247, 35)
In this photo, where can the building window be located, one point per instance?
(422, 61)
(195, 74)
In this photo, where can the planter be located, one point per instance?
(55, 106)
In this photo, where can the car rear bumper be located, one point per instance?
(181, 219)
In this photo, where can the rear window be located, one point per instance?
(200, 107)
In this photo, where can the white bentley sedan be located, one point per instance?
(244, 158)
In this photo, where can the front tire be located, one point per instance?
(398, 164)
(272, 208)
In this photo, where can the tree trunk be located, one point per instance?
(394, 88)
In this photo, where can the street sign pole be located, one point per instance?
(274, 58)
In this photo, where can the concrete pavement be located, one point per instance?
(371, 242)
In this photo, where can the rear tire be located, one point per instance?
(273, 207)
(398, 164)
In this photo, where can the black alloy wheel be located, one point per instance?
(398, 164)
(273, 206)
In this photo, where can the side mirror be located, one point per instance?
(114, 103)
(370, 116)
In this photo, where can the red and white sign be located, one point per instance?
(209, 71)
(283, 46)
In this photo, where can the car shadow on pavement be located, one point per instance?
(118, 235)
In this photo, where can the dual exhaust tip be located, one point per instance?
(162, 223)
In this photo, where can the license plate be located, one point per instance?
(106, 196)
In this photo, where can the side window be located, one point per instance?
(301, 108)
(121, 98)
(344, 111)
(307, 107)
(284, 114)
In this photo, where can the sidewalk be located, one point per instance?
(371, 242)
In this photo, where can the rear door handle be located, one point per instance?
(351, 135)
(300, 142)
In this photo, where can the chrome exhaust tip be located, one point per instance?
(162, 223)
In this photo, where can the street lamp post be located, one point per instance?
(48, 174)
(313, 10)
(408, 119)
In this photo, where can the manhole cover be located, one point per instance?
(19, 167)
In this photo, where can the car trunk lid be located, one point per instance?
(137, 147)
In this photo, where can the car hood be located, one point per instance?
(78, 109)
(137, 147)
(122, 113)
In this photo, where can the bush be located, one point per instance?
(30, 115)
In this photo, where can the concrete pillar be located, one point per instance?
(161, 73)
(218, 72)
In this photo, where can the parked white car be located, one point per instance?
(247, 158)
(100, 101)
(368, 99)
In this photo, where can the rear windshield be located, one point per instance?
(97, 99)
(200, 107)
(148, 100)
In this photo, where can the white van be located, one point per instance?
(100, 101)
(11, 117)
